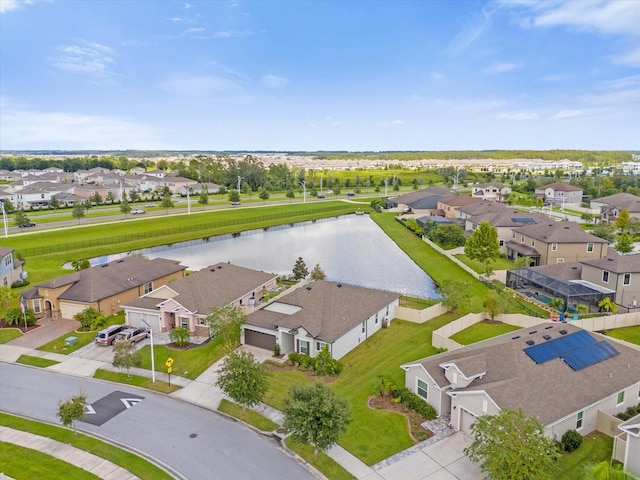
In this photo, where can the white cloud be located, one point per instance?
(471, 32)
(85, 57)
(631, 59)
(176, 19)
(8, 5)
(273, 81)
(195, 30)
(28, 129)
(199, 85)
(632, 81)
(501, 67)
(567, 114)
(392, 123)
(518, 116)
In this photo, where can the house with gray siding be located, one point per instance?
(319, 314)
(10, 267)
(620, 273)
(631, 433)
(554, 383)
(611, 206)
(559, 194)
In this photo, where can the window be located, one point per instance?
(202, 321)
(522, 238)
(626, 279)
(554, 246)
(533, 242)
(589, 247)
(184, 322)
(303, 347)
(423, 389)
(364, 326)
(502, 243)
(320, 346)
(560, 260)
(7, 260)
(620, 398)
(36, 306)
(148, 287)
(579, 420)
(376, 320)
(605, 276)
(513, 235)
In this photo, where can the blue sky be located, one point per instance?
(319, 75)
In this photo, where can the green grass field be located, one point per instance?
(84, 338)
(594, 449)
(8, 334)
(35, 361)
(135, 380)
(482, 331)
(247, 415)
(630, 334)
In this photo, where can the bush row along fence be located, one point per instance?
(96, 242)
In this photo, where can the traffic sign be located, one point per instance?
(169, 369)
(169, 362)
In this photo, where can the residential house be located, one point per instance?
(449, 205)
(555, 242)
(492, 191)
(503, 220)
(620, 273)
(10, 267)
(104, 287)
(197, 189)
(555, 372)
(481, 208)
(425, 199)
(611, 206)
(39, 194)
(137, 171)
(559, 194)
(630, 438)
(188, 302)
(319, 314)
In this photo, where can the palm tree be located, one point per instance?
(609, 305)
(606, 471)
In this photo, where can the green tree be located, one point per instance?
(608, 305)
(483, 244)
(622, 222)
(80, 264)
(587, 217)
(78, 211)
(167, 202)
(606, 231)
(300, 270)
(496, 303)
(72, 410)
(125, 356)
(315, 415)
(54, 203)
(8, 206)
(448, 236)
(110, 198)
(204, 197)
(180, 336)
(243, 378)
(607, 471)
(225, 323)
(97, 198)
(454, 293)
(7, 294)
(90, 318)
(263, 195)
(21, 218)
(624, 243)
(511, 445)
(290, 194)
(124, 205)
(318, 273)
(234, 195)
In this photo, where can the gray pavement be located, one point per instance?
(439, 458)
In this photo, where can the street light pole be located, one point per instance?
(153, 367)
(4, 218)
(304, 190)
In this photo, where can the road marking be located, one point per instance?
(89, 410)
(130, 402)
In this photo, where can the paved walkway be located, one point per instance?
(98, 466)
(438, 458)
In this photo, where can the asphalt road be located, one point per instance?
(195, 442)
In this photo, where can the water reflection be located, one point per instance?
(350, 249)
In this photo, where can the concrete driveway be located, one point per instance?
(47, 331)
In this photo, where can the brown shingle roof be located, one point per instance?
(328, 309)
(558, 232)
(629, 202)
(561, 187)
(103, 281)
(548, 391)
(617, 263)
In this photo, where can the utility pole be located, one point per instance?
(304, 190)
(239, 180)
(4, 218)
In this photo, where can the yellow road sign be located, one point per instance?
(169, 369)
(169, 362)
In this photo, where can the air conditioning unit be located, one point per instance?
(24, 275)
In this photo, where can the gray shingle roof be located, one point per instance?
(558, 232)
(561, 187)
(103, 281)
(621, 200)
(328, 309)
(548, 391)
(617, 263)
(505, 218)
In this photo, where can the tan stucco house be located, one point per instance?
(104, 287)
(611, 206)
(555, 372)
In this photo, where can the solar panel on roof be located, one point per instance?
(557, 347)
(590, 355)
(523, 220)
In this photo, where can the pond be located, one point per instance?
(350, 249)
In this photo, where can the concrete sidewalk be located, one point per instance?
(98, 466)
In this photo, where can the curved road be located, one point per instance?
(195, 442)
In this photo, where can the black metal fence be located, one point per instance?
(165, 232)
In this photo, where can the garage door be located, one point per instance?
(466, 421)
(259, 339)
(135, 320)
(68, 310)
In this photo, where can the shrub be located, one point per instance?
(571, 440)
(17, 318)
(629, 413)
(415, 403)
(276, 350)
(20, 283)
(180, 336)
(325, 365)
(294, 358)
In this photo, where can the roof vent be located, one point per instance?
(610, 259)
(105, 265)
(308, 288)
(516, 337)
(212, 269)
(339, 285)
(563, 332)
(530, 342)
(547, 337)
(548, 327)
(532, 332)
(219, 267)
(574, 268)
(119, 261)
(610, 375)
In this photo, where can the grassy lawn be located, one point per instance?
(324, 463)
(416, 303)
(84, 338)
(127, 460)
(187, 363)
(135, 380)
(36, 361)
(8, 334)
(248, 416)
(380, 355)
(482, 331)
(498, 264)
(594, 449)
(630, 334)
(23, 463)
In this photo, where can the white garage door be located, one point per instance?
(135, 320)
(68, 310)
(466, 420)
